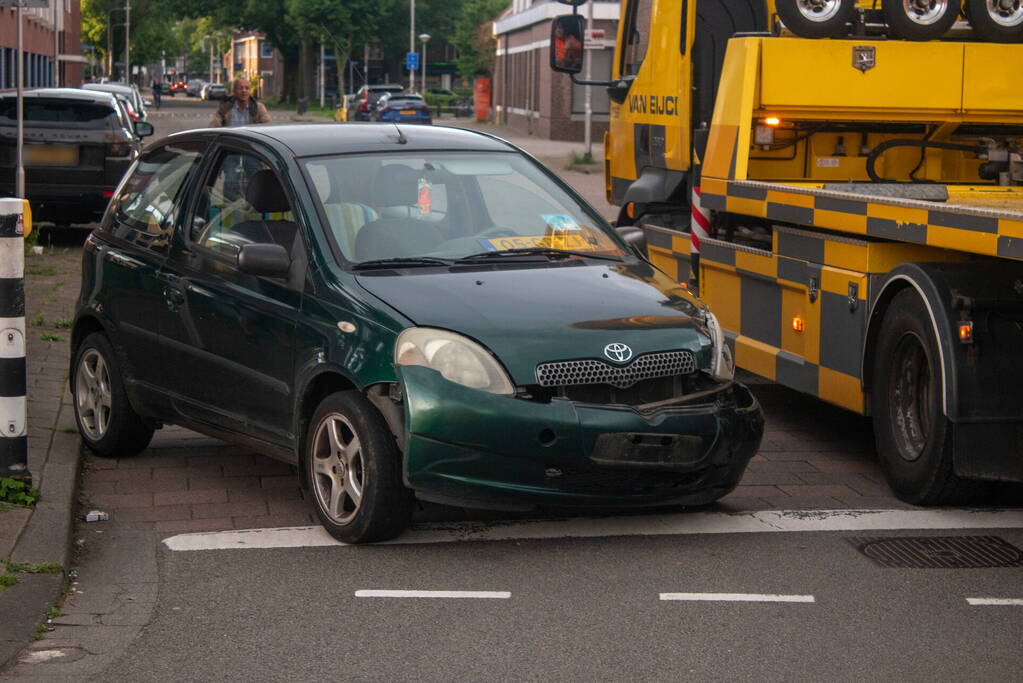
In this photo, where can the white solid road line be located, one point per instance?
(989, 602)
(736, 597)
(485, 595)
(683, 523)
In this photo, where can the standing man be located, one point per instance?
(241, 109)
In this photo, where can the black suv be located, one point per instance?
(78, 144)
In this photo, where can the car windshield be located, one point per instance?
(452, 205)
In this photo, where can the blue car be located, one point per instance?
(403, 108)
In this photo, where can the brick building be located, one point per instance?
(49, 35)
(530, 97)
(252, 55)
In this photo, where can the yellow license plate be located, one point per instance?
(51, 155)
(571, 242)
(408, 111)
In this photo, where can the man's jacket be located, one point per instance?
(257, 113)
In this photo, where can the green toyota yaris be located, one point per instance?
(401, 312)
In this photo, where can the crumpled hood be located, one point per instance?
(528, 314)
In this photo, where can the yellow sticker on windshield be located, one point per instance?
(572, 242)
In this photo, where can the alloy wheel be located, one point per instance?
(925, 12)
(338, 471)
(93, 396)
(1008, 13)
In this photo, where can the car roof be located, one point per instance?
(109, 87)
(94, 96)
(306, 140)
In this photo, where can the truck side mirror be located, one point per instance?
(567, 43)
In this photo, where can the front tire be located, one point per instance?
(817, 18)
(996, 21)
(109, 426)
(353, 470)
(913, 436)
(920, 19)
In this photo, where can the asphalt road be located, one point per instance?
(802, 605)
(578, 610)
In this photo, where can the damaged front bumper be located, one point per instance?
(474, 449)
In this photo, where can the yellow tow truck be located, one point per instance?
(843, 182)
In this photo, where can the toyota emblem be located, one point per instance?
(618, 352)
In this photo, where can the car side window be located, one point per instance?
(242, 202)
(637, 36)
(145, 209)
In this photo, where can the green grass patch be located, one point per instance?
(17, 492)
(38, 321)
(46, 336)
(41, 271)
(63, 324)
(8, 580)
(41, 568)
(581, 159)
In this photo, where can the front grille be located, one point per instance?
(609, 480)
(592, 371)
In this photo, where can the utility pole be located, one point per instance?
(19, 176)
(323, 81)
(365, 66)
(127, 41)
(57, 16)
(425, 37)
(588, 56)
(412, 46)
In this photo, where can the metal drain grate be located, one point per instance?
(940, 552)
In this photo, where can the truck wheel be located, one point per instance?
(996, 21)
(108, 424)
(920, 19)
(817, 18)
(913, 436)
(353, 468)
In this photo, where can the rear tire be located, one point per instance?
(920, 19)
(996, 21)
(353, 470)
(817, 18)
(108, 424)
(913, 436)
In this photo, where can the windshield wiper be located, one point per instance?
(402, 262)
(538, 251)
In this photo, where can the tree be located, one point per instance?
(342, 25)
(473, 37)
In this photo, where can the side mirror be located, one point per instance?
(143, 129)
(265, 260)
(567, 43)
(634, 237)
(619, 90)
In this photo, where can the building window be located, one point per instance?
(266, 49)
(601, 71)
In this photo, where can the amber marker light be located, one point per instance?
(966, 332)
(797, 324)
(772, 121)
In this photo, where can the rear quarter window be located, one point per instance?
(58, 112)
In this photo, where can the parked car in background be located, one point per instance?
(127, 92)
(214, 91)
(402, 108)
(361, 107)
(78, 144)
(177, 86)
(194, 87)
(432, 314)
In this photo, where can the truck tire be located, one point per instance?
(920, 19)
(817, 18)
(996, 21)
(913, 436)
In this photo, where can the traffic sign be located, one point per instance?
(411, 61)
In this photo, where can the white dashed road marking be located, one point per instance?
(480, 595)
(679, 524)
(992, 602)
(736, 597)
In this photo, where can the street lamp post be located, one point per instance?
(412, 43)
(424, 37)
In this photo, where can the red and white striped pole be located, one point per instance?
(699, 227)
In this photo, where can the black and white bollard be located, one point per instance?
(13, 407)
